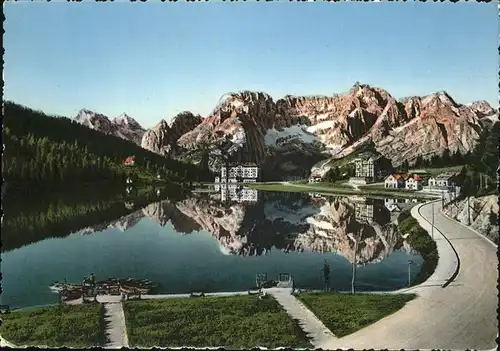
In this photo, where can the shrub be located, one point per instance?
(420, 240)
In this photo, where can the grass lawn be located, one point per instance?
(381, 187)
(342, 184)
(436, 171)
(344, 314)
(54, 326)
(341, 189)
(231, 322)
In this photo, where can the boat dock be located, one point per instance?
(283, 283)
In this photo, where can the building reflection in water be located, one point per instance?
(237, 193)
(363, 209)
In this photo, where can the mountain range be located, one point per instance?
(310, 132)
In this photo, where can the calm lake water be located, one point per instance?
(204, 242)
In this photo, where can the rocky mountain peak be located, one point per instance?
(161, 125)
(126, 121)
(123, 126)
(162, 138)
(86, 114)
(482, 108)
(94, 121)
(438, 98)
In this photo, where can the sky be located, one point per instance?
(153, 60)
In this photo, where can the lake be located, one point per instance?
(208, 242)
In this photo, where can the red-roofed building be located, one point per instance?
(129, 161)
(414, 182)
(396, 180)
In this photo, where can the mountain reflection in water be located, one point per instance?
(170, 240)
(289, 222)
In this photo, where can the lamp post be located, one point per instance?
(353, 281)
(468, 210)
(409, 271)
(432, 224)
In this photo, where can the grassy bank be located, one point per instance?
(342, 189)
(436, 171)
(344, 314)
(381, 187)
(54, 326)
(420, 240)
(231, 322)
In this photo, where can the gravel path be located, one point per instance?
(309, 323)
(116, 330)
(460, 316)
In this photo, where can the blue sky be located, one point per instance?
(154, 60)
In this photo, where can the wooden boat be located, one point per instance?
(111, 286)
(268, 284)
(71, 295)
(132, 290)
(58, 287)
(254, 291)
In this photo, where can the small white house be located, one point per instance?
(314, 178)
(396, 181)
(414, 183)
(442, 181)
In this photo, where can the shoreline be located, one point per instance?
(290, 187)
(106, 298)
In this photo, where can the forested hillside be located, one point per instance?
(46, 151)
(59, 213)
(479, 176)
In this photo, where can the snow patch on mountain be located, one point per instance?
(297, 131)
(321, 126)
(319, 224)
(291, 214)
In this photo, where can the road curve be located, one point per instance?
(463, 315)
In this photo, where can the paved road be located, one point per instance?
(460, 316)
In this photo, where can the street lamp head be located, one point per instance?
(410, 261)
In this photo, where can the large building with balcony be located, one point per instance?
(365, 168)
(367, 171)
(244, 173)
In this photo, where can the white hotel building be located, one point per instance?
(244, 173)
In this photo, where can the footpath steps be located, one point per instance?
(309, 323)
(115, 328)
